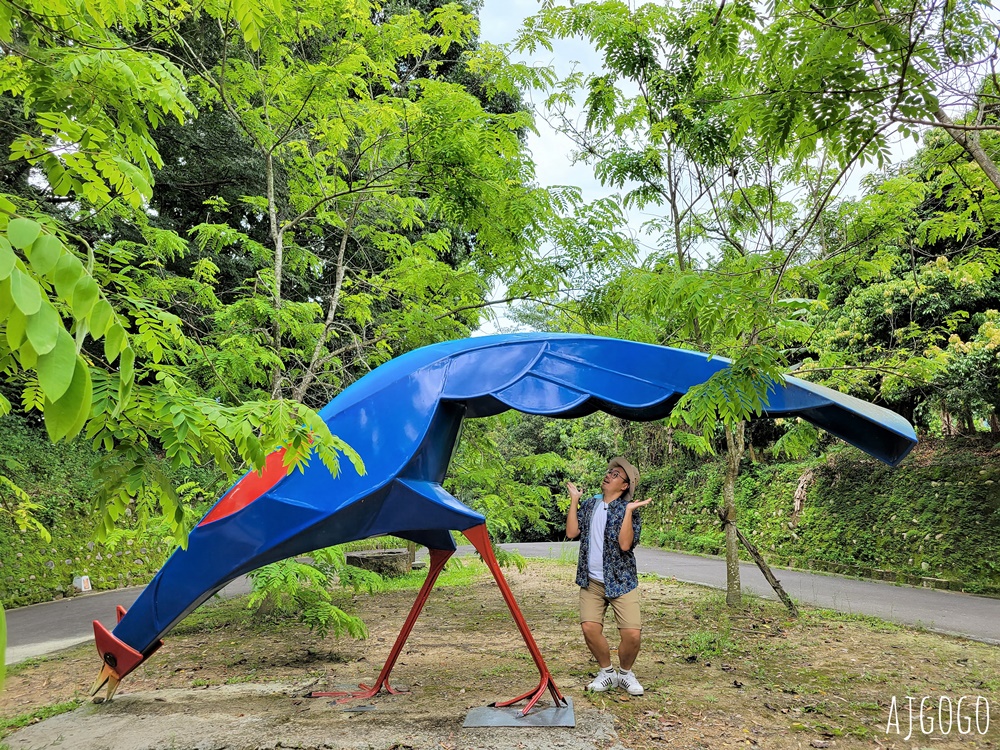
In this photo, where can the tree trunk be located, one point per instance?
(277, 237)
(946, 426)
(969, 140)
(315, 361)
(799, 499)
(968, 422)
(734, 454)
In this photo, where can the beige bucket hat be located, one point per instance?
(633, 474)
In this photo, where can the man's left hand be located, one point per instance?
(638, 503)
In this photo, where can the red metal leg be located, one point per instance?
(480, 539)
(438, 559)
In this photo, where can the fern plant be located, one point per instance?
(302, 587)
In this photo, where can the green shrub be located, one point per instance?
(58, 480)
(933, 516)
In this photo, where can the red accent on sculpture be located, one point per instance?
(248, 489)
(480, 539)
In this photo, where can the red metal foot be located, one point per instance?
(480, 539)
(546, 683)
(438, 559)
(344, 696)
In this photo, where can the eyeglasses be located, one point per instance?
(615, 474)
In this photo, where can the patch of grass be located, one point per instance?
(569, 556)
(22, 666)
(457, 572)
(875, 624)
(241, 678)
(33, 717)
(707, 643)
(218, 615)
(567, 614)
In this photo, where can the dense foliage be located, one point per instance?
(216, 216)
(59, 485)
(933, 517)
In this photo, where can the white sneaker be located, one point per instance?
(605, 680)
(628, 681)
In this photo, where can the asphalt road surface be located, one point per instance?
(43, 628)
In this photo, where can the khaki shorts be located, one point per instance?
(594, 605)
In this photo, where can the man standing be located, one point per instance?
(609, 526)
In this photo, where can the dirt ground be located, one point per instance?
(713, 679)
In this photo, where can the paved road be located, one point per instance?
(43, 628)
(51, 626)
(951, 612)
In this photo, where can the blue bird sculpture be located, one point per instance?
(403, 419)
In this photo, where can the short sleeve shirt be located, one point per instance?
(620, 574)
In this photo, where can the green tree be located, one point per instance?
(846, 77)
(911, 285)
(372, 165)
(735, 218)
(367, 204)
(93, 94)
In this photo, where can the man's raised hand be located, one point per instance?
(638, 503)
(575, 493)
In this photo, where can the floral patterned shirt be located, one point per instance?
(620, 575)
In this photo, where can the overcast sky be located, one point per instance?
(551, 152)
(500, 21)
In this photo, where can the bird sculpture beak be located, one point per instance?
(108, 677)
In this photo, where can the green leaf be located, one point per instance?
(27, 355)
(7, 259)
(6, 301)
(45, 253)
(16, 324)
(65, 417)
(100, 318)
(85, 295)
(55, 369)
(22, 232)
(114, 341)
(68, 271)
(249, 15)
(43, 328)
(25, 292)
(126, 369)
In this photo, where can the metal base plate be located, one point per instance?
(549, 716)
